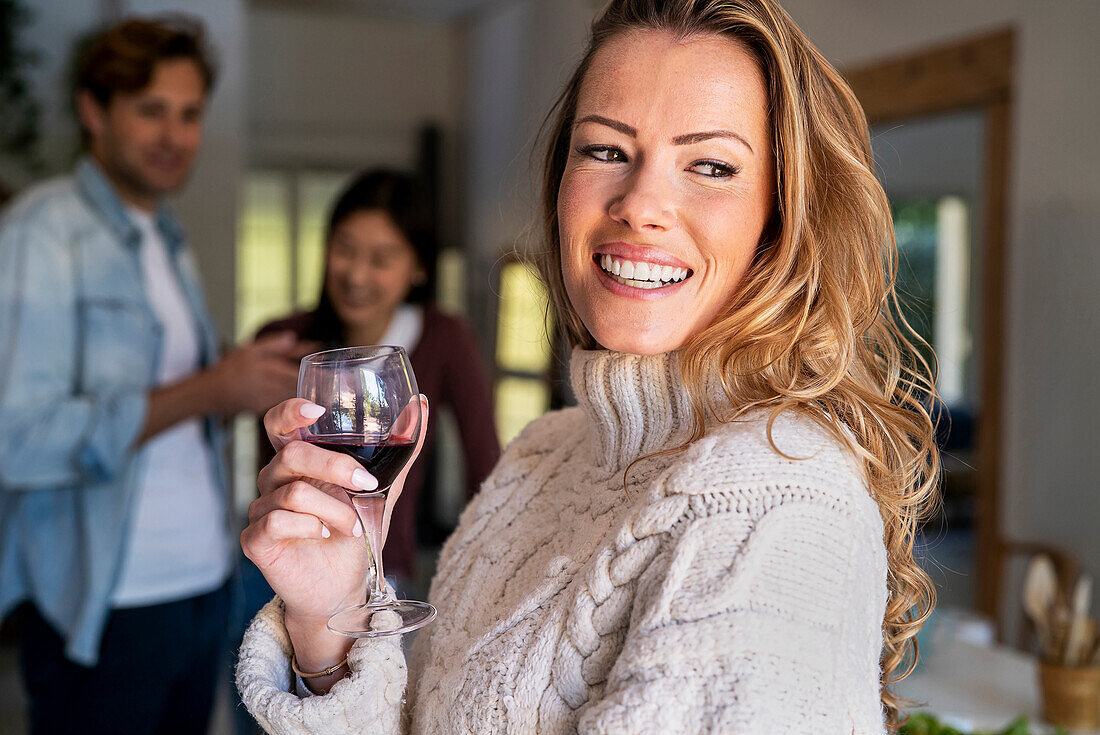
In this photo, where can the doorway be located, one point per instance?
(940, 125)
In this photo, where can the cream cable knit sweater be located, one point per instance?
(732, 590)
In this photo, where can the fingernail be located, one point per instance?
(357, 531)
(363, 480)
(325, 533)
(311, 410)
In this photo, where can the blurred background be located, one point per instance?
(985, 118)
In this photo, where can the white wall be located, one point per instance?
(336, 87)
(1052, 404)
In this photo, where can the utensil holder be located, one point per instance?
(1071, 695)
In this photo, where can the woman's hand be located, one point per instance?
(304, 535)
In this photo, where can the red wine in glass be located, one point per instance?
(373, 412)
(383, 459)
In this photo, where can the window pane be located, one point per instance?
(915, 228)
(245, 438)
(263, 252)
(952, 327)
(263, 293)
(522, 343)
(450, 281)
(317, 192)
(933, 237)
(518, 401)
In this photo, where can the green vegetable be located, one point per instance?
(922, 723)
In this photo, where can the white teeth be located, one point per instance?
(642, 274)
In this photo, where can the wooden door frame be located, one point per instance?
(974, 74)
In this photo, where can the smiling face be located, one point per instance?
(667, 189)
(146, 142)
(370, 269)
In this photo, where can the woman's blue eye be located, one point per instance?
(606, 153)
(715, 169)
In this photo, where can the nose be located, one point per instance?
(176, 132)
(358, 273)
(646, 202)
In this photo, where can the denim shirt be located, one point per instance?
(79, 351)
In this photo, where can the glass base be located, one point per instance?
(386, 617)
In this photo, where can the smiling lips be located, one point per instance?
(640, 273)
(355, 299)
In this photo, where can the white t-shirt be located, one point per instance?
(179, 542)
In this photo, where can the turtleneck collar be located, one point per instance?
(634, 404)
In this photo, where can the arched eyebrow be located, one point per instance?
(690, 138)
(686, 139)
(613, 124)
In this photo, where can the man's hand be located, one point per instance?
(258, 375)
(250, 379)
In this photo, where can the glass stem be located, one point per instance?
(371, 507)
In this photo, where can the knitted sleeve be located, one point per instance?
(750, 626)
(368, 701)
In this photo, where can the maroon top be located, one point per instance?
(450, 372)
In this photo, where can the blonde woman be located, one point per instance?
(718, 539)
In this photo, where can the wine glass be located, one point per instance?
(372, 413)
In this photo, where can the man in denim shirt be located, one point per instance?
(113, 535)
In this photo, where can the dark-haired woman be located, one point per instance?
(379, 252)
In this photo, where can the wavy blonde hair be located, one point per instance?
(812, 326)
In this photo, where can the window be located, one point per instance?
(933, 284)
(280, 249)
(264, 253)
(523, 352)
(281, 243)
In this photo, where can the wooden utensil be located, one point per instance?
(1079, 636)
(1040, 593)
(1087, 653)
